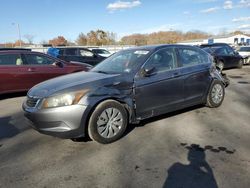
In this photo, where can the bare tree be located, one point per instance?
(29, 38)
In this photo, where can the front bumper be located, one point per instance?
(63, 122)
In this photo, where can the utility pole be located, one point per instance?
(19, 33)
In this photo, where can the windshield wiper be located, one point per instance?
(103, 72)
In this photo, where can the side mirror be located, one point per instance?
(148, 71)
(58, 64)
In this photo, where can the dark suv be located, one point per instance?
(22, 69)
(76, 54)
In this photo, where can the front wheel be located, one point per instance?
(108, 122)
(216, 94)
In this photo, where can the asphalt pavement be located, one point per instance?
(195, 147)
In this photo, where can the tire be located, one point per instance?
(216, 89)
(240, 64)
(108, 122)
(220, 64)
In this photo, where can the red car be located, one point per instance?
(22, 69)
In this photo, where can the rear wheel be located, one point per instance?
(108, 122)
(216, 94)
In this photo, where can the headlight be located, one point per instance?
(66, 99)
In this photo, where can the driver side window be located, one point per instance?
(162, 60)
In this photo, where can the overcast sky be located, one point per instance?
(46, 19)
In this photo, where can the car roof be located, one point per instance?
(15, 49)
(214, 44)
(19, 51)
(70, 48)
(159, 46)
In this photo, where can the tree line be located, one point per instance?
(101, 37)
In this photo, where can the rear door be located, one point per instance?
(41, 68)
(162, 91)
(195, 69)
(13, 73)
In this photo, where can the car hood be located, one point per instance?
(74, 82)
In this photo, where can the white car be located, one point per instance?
(244, 51)
(100, 51)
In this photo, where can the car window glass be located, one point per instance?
(123, 62)
(86, 53)
(38, 60)
(11, 59)
(162, 60)
(70, 51)
(221, 51)
(190, 57)
(230, 51)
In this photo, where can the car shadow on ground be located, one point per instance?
(12, 95)
(6, 129)
(196, 174)
(10, 126)
(131, 127)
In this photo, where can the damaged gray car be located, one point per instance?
(130, 86)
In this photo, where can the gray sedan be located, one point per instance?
(129, 86)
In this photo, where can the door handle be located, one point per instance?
(176, 74)
(31, 70)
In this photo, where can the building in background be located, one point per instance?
(239, 39)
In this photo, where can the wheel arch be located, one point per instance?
(128, 108)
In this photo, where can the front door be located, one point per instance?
(162, 90)
(41, 68)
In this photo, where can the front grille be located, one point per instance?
(32, 102)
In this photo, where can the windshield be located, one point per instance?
(122, 62)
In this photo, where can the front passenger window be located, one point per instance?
(162, 60)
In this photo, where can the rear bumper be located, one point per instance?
(63, 122)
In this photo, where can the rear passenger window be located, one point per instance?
(190, 57)
(11, 59)
(70, 51)
(38, 60)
